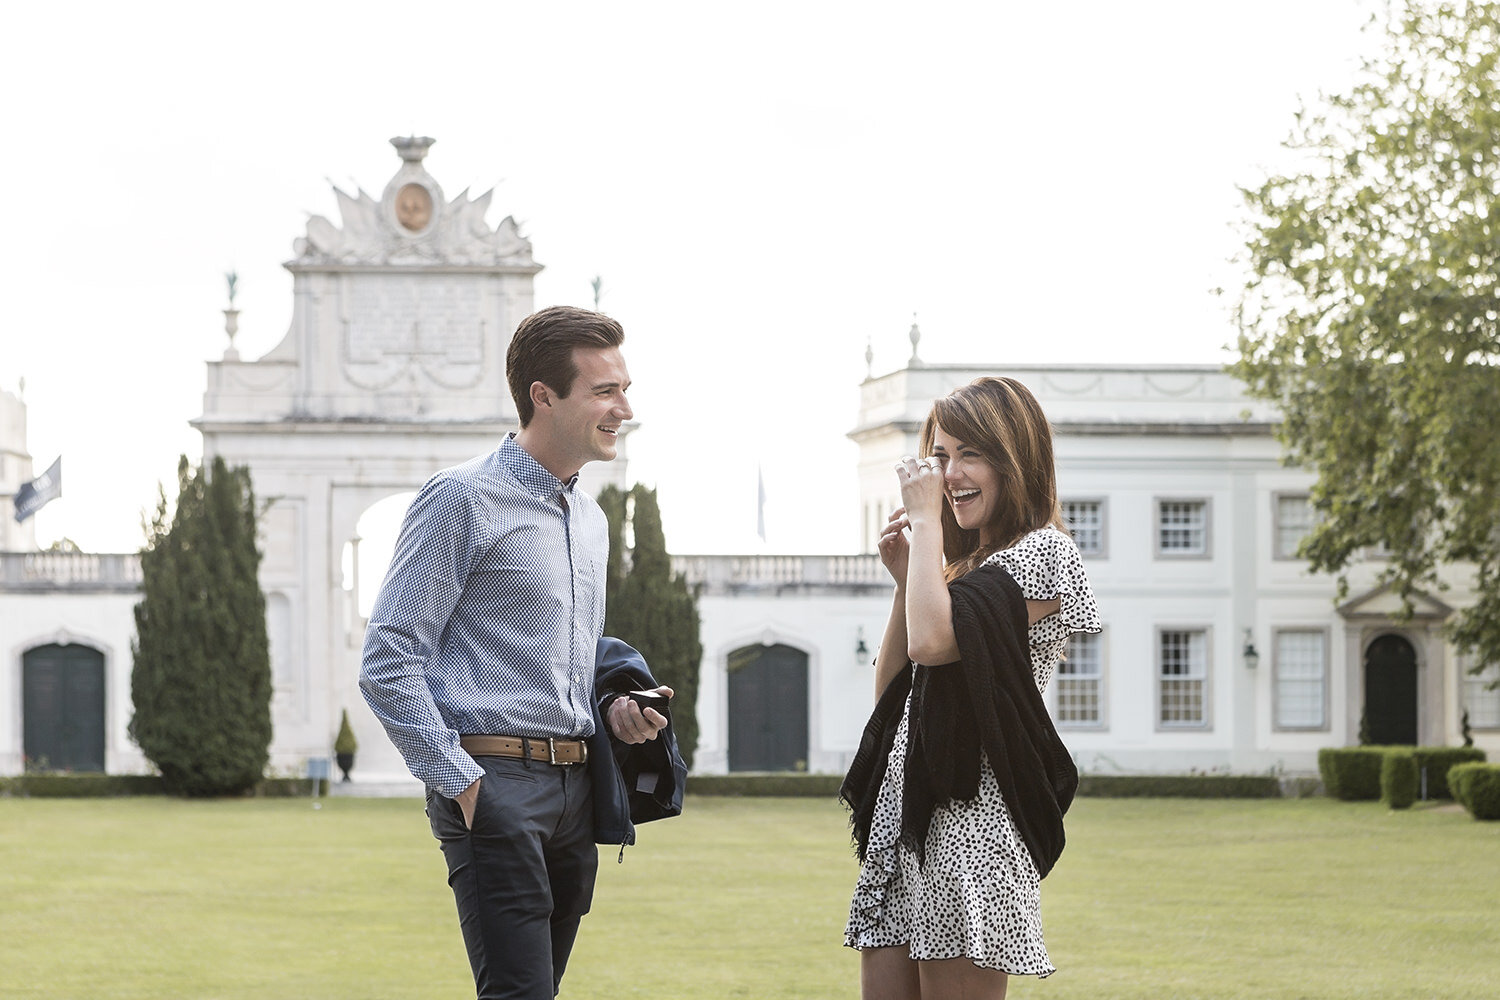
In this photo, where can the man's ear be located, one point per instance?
(541, 396)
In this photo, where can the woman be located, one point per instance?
(960, 783)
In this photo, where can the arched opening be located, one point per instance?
(62, 718)
(1390, 692)
(768, 709)
(367, 556)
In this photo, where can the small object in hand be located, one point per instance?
(650, 699)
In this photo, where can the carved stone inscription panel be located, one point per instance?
(401, 325)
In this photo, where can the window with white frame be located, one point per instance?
(1080, 682)
(1182, 527)
(1301, 682)
(1481, 700)
(1294, 520)
(1085, 519)
(1182, 678)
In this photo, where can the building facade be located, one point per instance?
(1220, 651)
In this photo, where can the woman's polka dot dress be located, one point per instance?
(978, 896)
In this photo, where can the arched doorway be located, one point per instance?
(63, 708)
(768, 709)
(1391, 692)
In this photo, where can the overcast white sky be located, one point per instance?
(763, 187)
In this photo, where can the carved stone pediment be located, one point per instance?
(1384, 605)
(412, 224)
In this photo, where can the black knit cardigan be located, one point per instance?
(989, 700)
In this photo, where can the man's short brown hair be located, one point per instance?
(542, 351)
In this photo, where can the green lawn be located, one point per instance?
(154, 898)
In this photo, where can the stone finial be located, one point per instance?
(231, 278)
(412, 148)
(916, 339)
(869, 359)
(231, 327)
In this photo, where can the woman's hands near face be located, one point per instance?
(894, 548)
(922, 488)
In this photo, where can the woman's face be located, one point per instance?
(971, 483)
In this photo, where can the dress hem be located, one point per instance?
(981, 963)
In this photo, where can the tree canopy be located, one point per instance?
(652, 608)
(1370, 311)
(201, 682)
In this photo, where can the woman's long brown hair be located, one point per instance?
(1001, 419)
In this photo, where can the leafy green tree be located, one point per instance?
(1371, 313)
(201, 683)
(652, 608)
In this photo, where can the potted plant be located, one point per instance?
(345, 745)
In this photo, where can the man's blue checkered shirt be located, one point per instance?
(490, 615)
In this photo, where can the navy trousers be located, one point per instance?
(523, 876)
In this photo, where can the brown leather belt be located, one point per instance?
(553, 751)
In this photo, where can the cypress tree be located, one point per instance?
(652, 608)
(612, 501)
(201, 682)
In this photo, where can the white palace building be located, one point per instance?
(1220, 652)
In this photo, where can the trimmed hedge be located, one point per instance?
(80, 786)
(1179, 786)
(1438, 761)
(1476, 786)
(1351, 773)
(1399, 780)
(781, 784)
(94, 786)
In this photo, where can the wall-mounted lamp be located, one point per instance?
(1252, 657)
(860, 649)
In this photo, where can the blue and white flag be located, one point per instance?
(35, 495)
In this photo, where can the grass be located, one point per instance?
(157, 898)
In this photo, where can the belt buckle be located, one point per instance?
(552, 752)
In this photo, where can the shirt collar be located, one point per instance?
(530, 473)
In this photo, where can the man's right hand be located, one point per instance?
(467, 800)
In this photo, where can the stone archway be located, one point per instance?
(62, 706)
(1390, 711)
(393, 368)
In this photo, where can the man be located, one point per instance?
(480, 657)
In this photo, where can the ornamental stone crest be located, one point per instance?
(412, 224)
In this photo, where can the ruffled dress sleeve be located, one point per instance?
(1046, 564)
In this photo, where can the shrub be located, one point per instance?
(1477, 788)
(780, 783)
(94, 786)
(1437, 760)
(345, 741)
(80, 786)
(1398, 779)
(1351, 773)
(1179, 786)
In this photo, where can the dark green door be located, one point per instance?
(1391, 692)
(63, 708)
(768, 709)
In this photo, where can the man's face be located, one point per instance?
(587, 421)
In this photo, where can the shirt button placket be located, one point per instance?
(573, 644)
